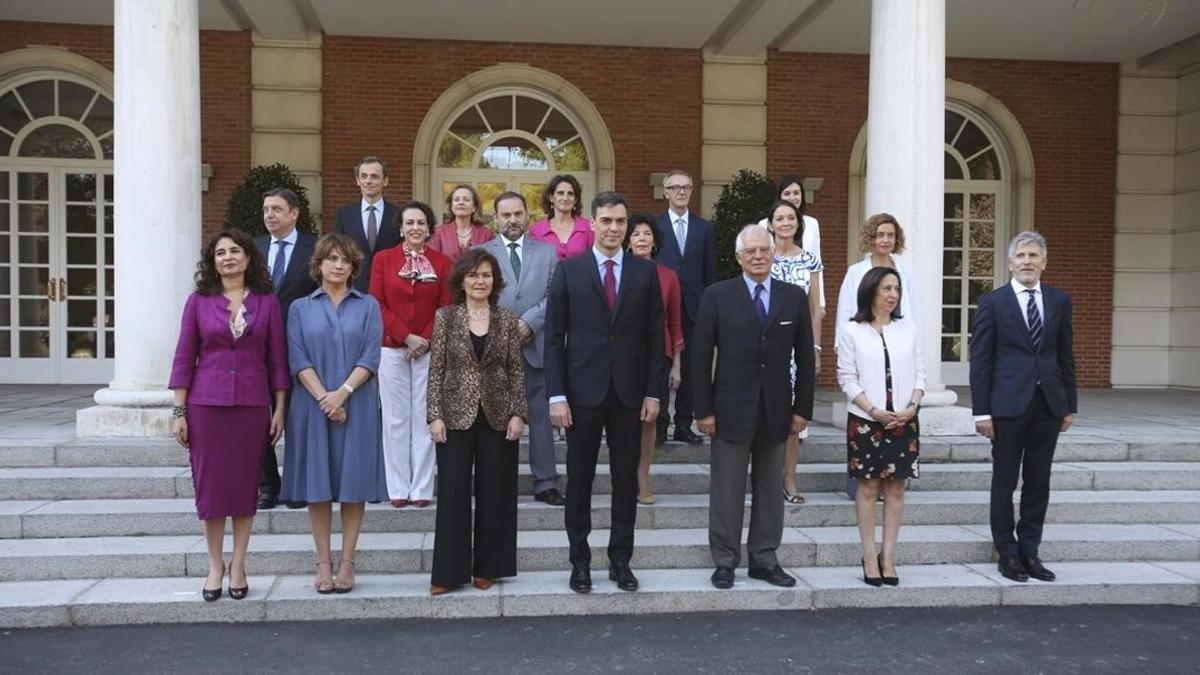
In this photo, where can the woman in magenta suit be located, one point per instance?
(465, 229)
(642, 239)
(564, 226)
(409, 282)
(230, 366)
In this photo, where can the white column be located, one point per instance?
(158, 187)
(905, 146)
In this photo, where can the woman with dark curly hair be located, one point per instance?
(564, 226)
(477, 411)
(230, 362)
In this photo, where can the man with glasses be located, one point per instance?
(689, 249)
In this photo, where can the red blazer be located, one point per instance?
(218, 370)
(668, 281)
(444, 239)
(407, 307)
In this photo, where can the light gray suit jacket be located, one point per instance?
(526, 297)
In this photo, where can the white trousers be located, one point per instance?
(408, 455)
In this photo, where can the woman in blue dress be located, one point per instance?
(334, 449)
(795, 265)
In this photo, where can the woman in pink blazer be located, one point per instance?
(230, 366)
(564, 226)
(642, 240)
(465, 229)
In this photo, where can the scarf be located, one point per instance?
(416, 266)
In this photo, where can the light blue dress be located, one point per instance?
(324, 461)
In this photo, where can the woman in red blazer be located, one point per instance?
(230, 362)
(409, 281)
(465, 229)
(642, 240)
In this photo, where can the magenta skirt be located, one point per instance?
(226, 453)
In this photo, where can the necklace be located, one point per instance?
(479, 314)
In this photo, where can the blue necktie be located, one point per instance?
(759, 307)
(280, 263)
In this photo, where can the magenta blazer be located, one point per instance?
(581, 238)
(444, 239)
(218, 370)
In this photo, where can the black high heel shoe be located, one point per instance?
(890, 581)
(870, 581)
(237, 593)
(211, 595)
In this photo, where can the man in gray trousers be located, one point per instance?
(526, 266)
(756, 325)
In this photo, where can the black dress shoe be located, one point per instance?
(551, 496)
(297, 505)
(1034, 568)
(875, 582)
(267, 501)
(774, 576)
(890, 581)
(686, 435)
(1011, 568)
(581, 579)
(723, 578)
(620, 573)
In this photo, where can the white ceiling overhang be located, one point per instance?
(1115, 31)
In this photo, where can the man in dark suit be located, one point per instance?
(527, 265)
(689, 249)
(371, 221)
(286, 251)
(604, 362)
(757, 326)
(1023, 395)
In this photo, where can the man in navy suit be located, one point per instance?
(689, 249)
(605, 373)
(371, 221)
(1023, 395)
(286, 251)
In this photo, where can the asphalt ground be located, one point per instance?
(1073, 639)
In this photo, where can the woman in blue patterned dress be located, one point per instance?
(794, 265)
(334, 445)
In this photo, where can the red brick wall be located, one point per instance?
(650, 132)
(816, 104)
(224, 94)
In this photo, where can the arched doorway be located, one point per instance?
(512, 139)
(988, 198)
(56, 229)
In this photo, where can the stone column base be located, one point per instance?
(950, 420)
(111, 420)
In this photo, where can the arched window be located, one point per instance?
(512, 140)
(56, 229)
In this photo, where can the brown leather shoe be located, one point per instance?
(483, 584)
(434, 589)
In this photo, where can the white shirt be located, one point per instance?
(366, 214)
(848, 296)
(675, 218)
(273, 249)
(1023, 300)
(520, 242)
(861, 364)
(809, 241)
(601, 259)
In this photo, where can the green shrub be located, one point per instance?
(244, 210)
(743, 201)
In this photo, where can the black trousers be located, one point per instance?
(622, 429)
(269, 481)
(494, 460)
(1023, 446)
(683, 395)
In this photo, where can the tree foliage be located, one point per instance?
(244, 210)
(745, 200)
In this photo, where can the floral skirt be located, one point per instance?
(875, 452)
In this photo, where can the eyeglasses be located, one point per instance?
(678, 188)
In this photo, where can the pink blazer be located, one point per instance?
(444, 239)
(218, 370)
(581, 238)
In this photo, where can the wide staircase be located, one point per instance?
(104, 532)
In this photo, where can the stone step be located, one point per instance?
(40, 483)
(120, 601)
(825, 445)
(157, 556)
(138, 517)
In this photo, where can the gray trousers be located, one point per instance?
(541, 439)
(727, 498)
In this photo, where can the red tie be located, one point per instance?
(610, 285)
